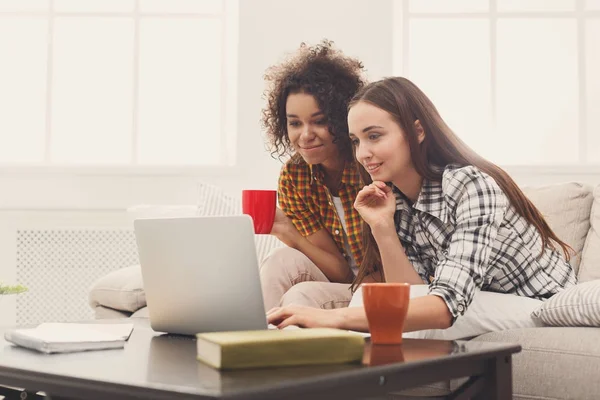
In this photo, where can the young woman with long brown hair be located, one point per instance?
(435, 212)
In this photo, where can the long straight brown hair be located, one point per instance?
(406, 103)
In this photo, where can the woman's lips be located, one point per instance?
(311, 148)
(372, 168)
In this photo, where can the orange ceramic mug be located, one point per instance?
(386, 305)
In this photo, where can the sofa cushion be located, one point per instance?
(554, 363)
(578, 305)
(566, 208)
(590, 260)
(119, 290)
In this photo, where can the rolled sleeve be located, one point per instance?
(480, 209)
(294, 206)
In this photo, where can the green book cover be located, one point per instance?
(267, 348)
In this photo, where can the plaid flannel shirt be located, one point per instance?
(306, 200)
(462, 235)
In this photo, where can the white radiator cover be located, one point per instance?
(59, 265)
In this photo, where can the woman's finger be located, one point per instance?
(382, 186)
(366, 189)
(283, 312)
(364, 193)
(376, 187)
(376, 192)
(386, 189)
(272, 310)
(276, 316)
(293, 320)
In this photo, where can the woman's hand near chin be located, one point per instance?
(376, 204)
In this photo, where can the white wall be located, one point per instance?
(268, 29)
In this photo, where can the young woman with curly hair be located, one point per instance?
(306, 118)
(442, 218)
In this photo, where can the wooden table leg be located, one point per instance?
(498, 379)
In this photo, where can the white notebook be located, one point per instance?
(71, 337)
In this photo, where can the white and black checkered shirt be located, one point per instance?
(462, 235)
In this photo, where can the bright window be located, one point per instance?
(118, 82)
(518, 80)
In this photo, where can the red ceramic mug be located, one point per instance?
(386, 305)
(261, 206)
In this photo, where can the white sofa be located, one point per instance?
(555, 362)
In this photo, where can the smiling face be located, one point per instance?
(379, 143)
(308, 130)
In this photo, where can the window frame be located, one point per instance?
(401, 39)
(229, 14)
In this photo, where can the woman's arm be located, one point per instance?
(318, 247)
(427, 312)
(376, 204)
(306, 233)
(396, 266)
(463, 267)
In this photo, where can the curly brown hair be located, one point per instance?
(323, 72)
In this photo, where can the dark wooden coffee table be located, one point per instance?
(154, 366)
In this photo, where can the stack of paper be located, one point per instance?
(71, 337)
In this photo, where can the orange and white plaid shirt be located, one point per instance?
(306, 200)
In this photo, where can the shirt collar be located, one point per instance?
(430, 200)
(350, 175)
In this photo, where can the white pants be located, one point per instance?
(488, 312)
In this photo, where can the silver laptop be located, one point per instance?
(200, 274)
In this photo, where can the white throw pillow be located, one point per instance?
(590, 259)
(211, 201)
(578, 305)
(489, 312)
(121, 290)
(566, 207)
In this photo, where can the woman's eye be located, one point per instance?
(294, 123)
(354, 142)
(321, 122)
(374, 136)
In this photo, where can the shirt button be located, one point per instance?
(330, 203)
(337, 231)
(460, 308)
